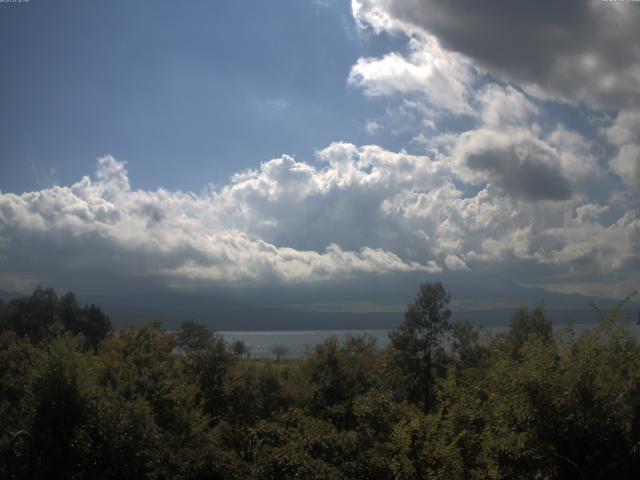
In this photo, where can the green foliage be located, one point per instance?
(44, 315)
(254, 392)
(418, 341)
(296, 446)
(17, 360)
(239, 348)
(59, 390)
(194, 336)
(147, 403)
(206, 364)
(466, 345)
(338, 373)
(525, 324)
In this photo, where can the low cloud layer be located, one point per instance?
(179, 236)
(355, 211)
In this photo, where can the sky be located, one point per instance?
(320, 150)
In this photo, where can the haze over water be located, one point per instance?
(300, 343)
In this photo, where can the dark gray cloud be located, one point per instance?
(521, 165)
(579, 50)
(522, 174)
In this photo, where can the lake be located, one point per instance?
(300, 343)
(297, 342)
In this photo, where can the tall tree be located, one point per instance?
(239, 348)
(34, 316)
(419, 338)
(207, 362)
(194, 336)
(279, 351)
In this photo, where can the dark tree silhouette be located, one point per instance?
(194, 336)
(43, 315)
(239, 348)
(419, 338)
(279, 351)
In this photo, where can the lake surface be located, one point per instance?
(299, 343)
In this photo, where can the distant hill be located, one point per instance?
(225, 315)
(220, 314)
(489, 307)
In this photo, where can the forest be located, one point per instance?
(445, 400)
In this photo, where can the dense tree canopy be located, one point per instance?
(144, 402)
(44, 313)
